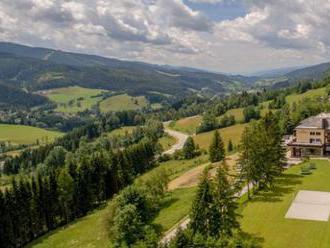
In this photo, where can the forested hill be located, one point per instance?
(40, 68)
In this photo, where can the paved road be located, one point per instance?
(180, 140)
(183, 224)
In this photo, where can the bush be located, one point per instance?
(312, 166)
(305, 170)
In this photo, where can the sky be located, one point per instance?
(232, 36)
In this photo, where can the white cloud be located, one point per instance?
(273, 33)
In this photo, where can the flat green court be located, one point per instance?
(27, 135)
(264, 216)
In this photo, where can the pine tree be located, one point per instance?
(224, 216)
(201, 207)
(189, 148)
(216, 149)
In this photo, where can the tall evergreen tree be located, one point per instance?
(216, 149)
(189, 148)
(201, 207)
(224, 219)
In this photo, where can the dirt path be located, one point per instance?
(191, 177)
(188, 179)
(180, 140)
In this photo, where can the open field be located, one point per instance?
(232, 133)
(123, 102)
(187, 125)
(311, 93)
(19, 134)
(74, 99)
(264, 215)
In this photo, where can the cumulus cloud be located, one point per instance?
(169, 31)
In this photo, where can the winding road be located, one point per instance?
(180, 140)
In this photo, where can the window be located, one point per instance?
(312, 133)
(318, 133)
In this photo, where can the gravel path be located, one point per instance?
(180, 140)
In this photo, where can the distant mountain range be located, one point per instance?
(40, 68)
(28, 69)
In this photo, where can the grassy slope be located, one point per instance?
(123, 102)
(187, 125)
(19, 134)
(232, 133)
(63, 96)
(166, 142)
(89, 231)
(175, 207)
(311, 93)
(264, 216)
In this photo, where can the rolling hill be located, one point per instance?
(41, 68)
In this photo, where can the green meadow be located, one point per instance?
(74, 99)
(123, 102)
(26, 135)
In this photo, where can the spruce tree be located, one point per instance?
(201, 208)
(224, 216)
(189, 148)
(216, 149)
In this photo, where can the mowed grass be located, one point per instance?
(123, 102)
(187, 125)
(308, 94)
(232, 133)
(90, 231)
(176, 205)
(26, 135)
(264, 216)
(74, 99)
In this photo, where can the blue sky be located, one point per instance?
(220, 35)
(224, 10)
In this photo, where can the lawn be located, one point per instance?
(74, 99)
(187, 125)
(19, 134)
(264, 215)
(308, 94)
(89, 231)
(232, 133)
(123, 102)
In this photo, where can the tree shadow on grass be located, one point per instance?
(285, 184)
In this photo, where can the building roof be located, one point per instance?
(321, 121)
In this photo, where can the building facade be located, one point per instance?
(311, 137)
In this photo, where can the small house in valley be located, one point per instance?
(311, 137)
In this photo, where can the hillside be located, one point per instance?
(40, 68)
